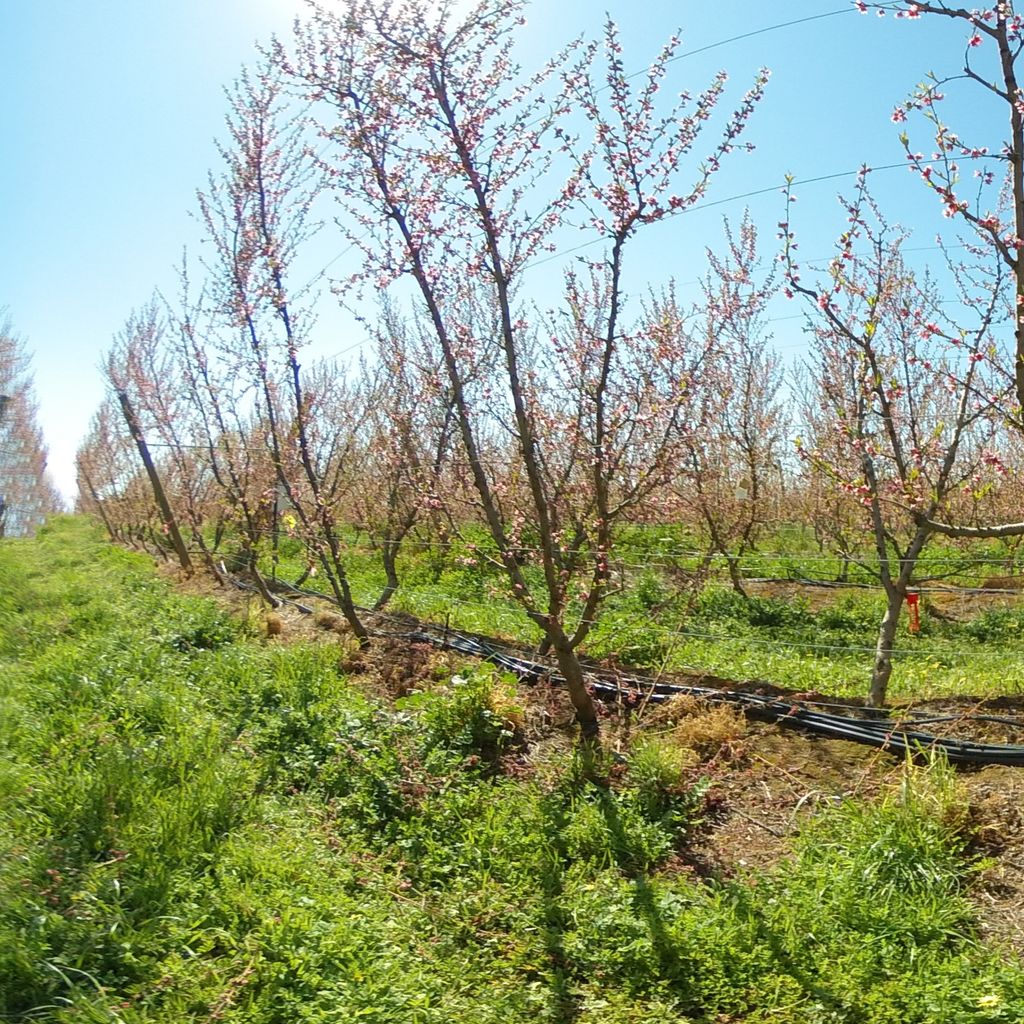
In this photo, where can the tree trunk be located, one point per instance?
(335, 572)
(251, 557)
(387, 555)
(571, 669)
(882, 669)
(735, 577)
(96, 501)
(154, 478)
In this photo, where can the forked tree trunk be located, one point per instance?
(735, 577)
(388, 555)
(582, 701)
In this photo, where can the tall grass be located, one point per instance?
(197, 826)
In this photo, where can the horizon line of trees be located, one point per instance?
(27, 492)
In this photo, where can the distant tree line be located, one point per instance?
(27, 493)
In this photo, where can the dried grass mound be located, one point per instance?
(699, 725)
(330, 622)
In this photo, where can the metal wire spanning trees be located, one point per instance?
(27, 494)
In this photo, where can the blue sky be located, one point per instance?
(111, 109)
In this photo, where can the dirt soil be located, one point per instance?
(766, 779)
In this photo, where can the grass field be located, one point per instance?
(199, 824)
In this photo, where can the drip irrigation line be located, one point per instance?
(634, 691)
(251, 588)
(914, 651)
(940, 719)
(749, 641)
(882, 733)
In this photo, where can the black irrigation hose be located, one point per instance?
(634, 690)
(872, 731)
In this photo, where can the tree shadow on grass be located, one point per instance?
(566, 975)
(673, 969)
(793, 964)
(566, 1008)
(644, 898)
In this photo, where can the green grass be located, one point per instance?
(196, 825)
